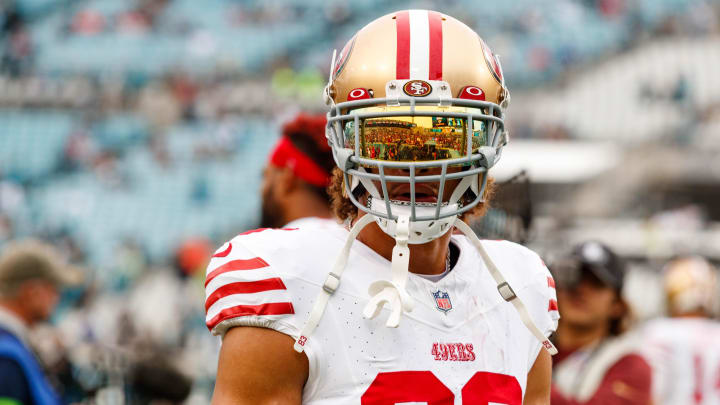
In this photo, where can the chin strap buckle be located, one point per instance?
(506, 291)
(332, 282)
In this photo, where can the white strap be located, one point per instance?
(462, 187)
(332, 282)
(504, 288)
(367, 183)
(393, 292)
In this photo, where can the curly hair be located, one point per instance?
(343, 208)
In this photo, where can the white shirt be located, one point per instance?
(462, 342)
(684, 354)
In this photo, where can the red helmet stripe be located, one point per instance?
(436, 48)
(402, 22)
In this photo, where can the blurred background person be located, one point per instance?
(684, 348)
(596, 363)
(295, 179)
(31, 276)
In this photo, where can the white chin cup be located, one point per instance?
(420, 231)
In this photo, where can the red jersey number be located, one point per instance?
(422, 386)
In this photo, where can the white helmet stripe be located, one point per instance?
(419, 45)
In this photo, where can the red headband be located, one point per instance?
(287, 155)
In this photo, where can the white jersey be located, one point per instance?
(461, 344)
(685, 356)
(314, 222)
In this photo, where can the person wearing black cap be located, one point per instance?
(597, 363)
(31, 275)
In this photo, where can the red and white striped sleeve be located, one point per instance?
(242, 289)
(542, 295)
(552, 306)
(539, 296)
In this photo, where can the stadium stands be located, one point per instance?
(142, 124)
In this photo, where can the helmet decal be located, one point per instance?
(492, 62)
(419, 45)
(358, 94)
(417, 88)
(344, 56)
(472, 93)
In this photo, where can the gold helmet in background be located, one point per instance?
(416, 90)
(691, 286)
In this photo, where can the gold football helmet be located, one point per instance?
(411, 91)
(690, 285)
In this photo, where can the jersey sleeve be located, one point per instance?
(542, 291)
(244, 289)
(539, 296)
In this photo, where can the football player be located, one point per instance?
(294, 188)
(684, 349)
(418, 309)
(598, 364)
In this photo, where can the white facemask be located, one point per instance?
(420, 231)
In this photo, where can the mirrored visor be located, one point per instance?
(416, 138)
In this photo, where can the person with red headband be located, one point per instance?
(295, 180)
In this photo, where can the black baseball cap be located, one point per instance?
(593, 257)
(32, 259)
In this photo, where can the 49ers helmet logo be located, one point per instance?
(417, 88)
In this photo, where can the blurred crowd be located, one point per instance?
(190, 114)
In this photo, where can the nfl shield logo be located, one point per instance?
(442, 301)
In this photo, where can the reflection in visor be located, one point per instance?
(418, 138)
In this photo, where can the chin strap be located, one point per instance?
(504, 288)
(332, 282)
(393, 292)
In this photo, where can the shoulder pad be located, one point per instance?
(239, 283)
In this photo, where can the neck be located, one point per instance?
(304, 205)
(17, 310)
(427, 258)
(573, 336)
